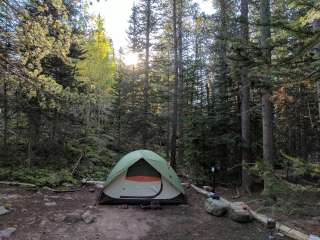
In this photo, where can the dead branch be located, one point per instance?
(21, 184)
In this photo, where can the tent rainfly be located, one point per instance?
(142, 176)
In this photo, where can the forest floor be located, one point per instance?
(45, 215)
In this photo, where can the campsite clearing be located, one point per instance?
(36, 220)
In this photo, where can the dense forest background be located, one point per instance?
(238, 90)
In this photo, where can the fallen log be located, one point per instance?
(21, 184)
(289, 232)
(60, 191)
(91, 182)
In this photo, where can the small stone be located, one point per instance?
(74, 217)
(24, 210)
(58, 217)
(240, 213)
(3, 210)
(6, 233)
(50, 204)
(43, 223)
(87, 217)
(99, 185)
(30, 220)
(216, 207)
(316, 218)
(68, 198)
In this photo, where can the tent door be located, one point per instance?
(142, 181)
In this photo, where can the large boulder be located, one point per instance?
(239, 212)
(216, 207)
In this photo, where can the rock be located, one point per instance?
(74, 217)
(43, 222)
(92, 190)
(99, 185)
(24, 210)
(50, 204)
(6, 233)
(314, 237)
(216, 207)
(317, 219)
(87, 217)
(3, 210)
(46, 188)
(11, 196)
(59, 217)
(240, 213)
(30, 220)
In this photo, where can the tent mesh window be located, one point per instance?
(142, 171)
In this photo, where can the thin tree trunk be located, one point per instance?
(147, 72)
(168, 106)
(316, 27)
(5, 116)
(181, 85)
(245, 98)
(223, 52)
(267, 107)
(176, 88)
(5, 100)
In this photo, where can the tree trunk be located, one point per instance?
(222, 85)
(168, 107)
(147, 72)
(181, 86)
(316, 27)
(176, 88)
(267, 107)
(245, 98)
(5, 116)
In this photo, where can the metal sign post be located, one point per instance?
(214, 178)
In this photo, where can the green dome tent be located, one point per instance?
(142, 176)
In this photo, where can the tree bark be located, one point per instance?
(5, 116)
(147, 72)
(245, 98)
(222, 85)
(176, 88)
(181, 85)
(267, 106)
(316, 27)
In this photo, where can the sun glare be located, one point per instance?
(131, 59)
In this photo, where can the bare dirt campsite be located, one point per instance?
(36, 218)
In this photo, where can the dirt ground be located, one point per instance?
(34, 220)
